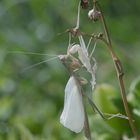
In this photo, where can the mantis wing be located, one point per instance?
(72, 116)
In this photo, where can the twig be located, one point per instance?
(119, 70)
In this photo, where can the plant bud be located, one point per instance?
(84, 4)
(94, 14)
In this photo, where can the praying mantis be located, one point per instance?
(74, 115)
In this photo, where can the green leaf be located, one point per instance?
(134, 94)
(103, 97)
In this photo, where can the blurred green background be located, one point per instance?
(31, 100)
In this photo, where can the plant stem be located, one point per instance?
(119, 70)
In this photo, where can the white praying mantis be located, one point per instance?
(74, 116)
(74, 113)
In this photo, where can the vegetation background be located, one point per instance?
(31, 100)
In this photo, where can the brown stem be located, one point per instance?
(119, 70)
(86, 123)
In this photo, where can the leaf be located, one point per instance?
(134, 94)
(103, 97)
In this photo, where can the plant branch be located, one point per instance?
(119, 70)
